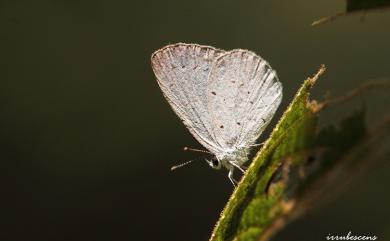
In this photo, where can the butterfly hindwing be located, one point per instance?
(244, 93)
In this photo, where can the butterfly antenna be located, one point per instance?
(186, 163)
(181, 165)
(195, 150)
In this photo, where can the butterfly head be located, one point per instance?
(215, 164)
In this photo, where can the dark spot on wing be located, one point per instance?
(195, 67)
(233, 81)
(238, 123)
(251, 102)
(213, 93)
(249, 92)
(263, 120)
(221, 127)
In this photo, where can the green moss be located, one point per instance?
(249, 234)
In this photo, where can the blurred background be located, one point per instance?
(87, 139)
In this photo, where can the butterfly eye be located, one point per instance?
(215, 163)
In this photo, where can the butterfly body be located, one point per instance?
(238, 156)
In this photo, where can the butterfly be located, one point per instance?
(225, 98)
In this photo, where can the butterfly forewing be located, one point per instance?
(182, 71)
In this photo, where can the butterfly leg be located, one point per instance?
(259, 144)
(231, 178)
(237, 166)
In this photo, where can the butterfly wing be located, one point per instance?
(182, 71)
(244, 93)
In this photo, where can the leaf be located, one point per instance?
(355, 6)
(297, 168)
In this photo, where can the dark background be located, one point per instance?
(87, 140)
